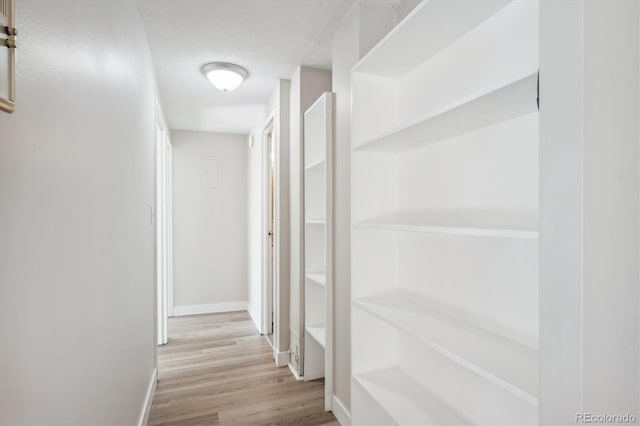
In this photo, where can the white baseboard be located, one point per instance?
(214, 308)
(295, 373)
(148, 400)
(342, 414)
(282, 359)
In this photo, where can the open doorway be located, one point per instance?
(270, 259)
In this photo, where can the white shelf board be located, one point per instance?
(405, 400)
(315, 221)
(320, 163)
(317, 278)
(480, 110)
(318, 334)
(470, 222)
(502, 357)
(429, 28)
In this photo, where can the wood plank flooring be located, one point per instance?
(218, 370)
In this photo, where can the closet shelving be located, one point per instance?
(502, 104)
(406, 399)
(318, 163)
(318, 334)
(488, 224)
(318, 142)
(504, 359)
(444, 218)
(317, 278)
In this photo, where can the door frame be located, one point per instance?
(162, 228)
(270, 256)
(169, 224)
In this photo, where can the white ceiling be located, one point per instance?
(270, 38)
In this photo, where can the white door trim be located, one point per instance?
(169, 227)
(160, 210)
(266, 243)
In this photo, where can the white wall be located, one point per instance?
(209, 219)
(254, 225)
(307, 85)
(279, 106)
(589, 299)
(405, 7)
(345, 55)
(76, 239)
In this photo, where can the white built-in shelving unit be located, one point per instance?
(445, 218)
(318, 143)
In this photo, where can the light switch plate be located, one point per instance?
(210, 172)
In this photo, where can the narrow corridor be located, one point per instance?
(217, 369)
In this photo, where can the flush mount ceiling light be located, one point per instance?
(225, 76)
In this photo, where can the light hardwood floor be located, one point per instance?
(217, 369)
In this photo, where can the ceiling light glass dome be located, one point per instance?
(225, 76)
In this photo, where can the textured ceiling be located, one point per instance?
(270, 38)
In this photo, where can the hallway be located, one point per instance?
(430, 207)
(217, 369)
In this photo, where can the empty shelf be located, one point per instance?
(429, 28)
(318, 334)
(314, 165)
(481, 110)
(471, 222)
(509, 362)
(315, 221)
(405, 400)
(317, 278)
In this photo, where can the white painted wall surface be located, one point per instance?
(611, 215)
(345, 55)
(254, 225)
(295, 300)
(279, 105)
(359, 31)
(76, 239)
(589, 249)
(209, 218)
(307, 85)
(404, 8)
